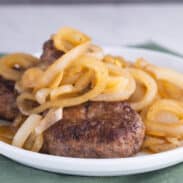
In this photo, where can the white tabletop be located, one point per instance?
(25, 28)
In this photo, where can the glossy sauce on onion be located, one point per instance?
(6, 133)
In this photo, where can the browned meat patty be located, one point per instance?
(50, 53)
(8, 109)
(96, 130)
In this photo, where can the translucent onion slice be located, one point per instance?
(41, 95)
(19, 60)
(114, 69)
(167, 105)
(54, 93)
(169, 90)
(22, 102)
(95, 51)
(100, 75)
(30, 141)
(174, 141)
(150, 85)
(164, 129)
(67, 38)
(31, 77)
(51, 117)
(138, 93)
(38, 143)
(118, 61)
(167, 75)
(57, 80)
(83, 81)
(160, 73)
(72, 74)
(62, 63)
(162, 125)
(162, 147)
(151, 141)
(115, 84)
(124, 91)
(166, 117)
(25, 130)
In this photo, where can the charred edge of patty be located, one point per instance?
(8, 108)
(7, 83)
(50, 53)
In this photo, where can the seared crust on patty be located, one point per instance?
(8, 109)
(96, 130)
(50, 53)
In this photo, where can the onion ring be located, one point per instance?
(101, 73)
(67, 38)
(19, 60)
(162, 128)
(151, 88)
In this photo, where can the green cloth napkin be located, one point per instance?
(12, 172)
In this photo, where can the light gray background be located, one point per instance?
(26, 27)
(82, 1)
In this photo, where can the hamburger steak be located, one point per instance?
(93, 129)
(8, 109)
(96, 130)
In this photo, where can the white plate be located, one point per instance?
(105, 167)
